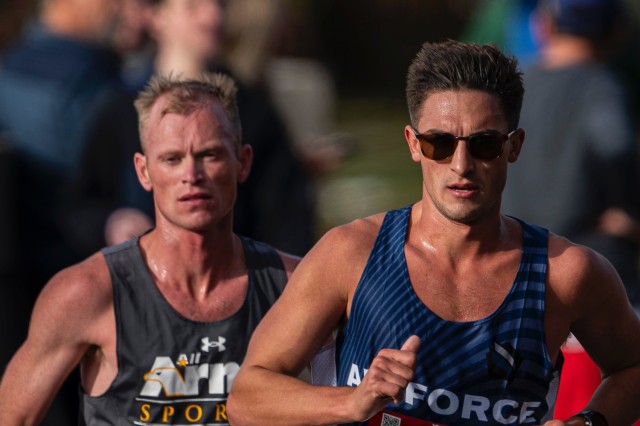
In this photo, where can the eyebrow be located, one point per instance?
(472, 133)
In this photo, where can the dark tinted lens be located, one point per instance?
(438, 146)
(486, 146)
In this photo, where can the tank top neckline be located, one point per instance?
(150, 284)
(405, 214)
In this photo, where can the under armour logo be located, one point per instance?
(207, 344)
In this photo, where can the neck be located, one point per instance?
(193, 261)
(453, 240)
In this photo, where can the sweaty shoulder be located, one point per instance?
(77, 296)
(577, 274)
(87, 280)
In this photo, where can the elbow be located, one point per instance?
(239, 406)
(237, 410)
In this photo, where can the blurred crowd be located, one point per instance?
(70, 70)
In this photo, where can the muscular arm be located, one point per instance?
(605, 324)
(59, 335)
(311, 307)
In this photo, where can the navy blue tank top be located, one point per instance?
(492, 371)
(171, 370)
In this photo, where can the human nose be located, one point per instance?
(193, 172)
(462, 160)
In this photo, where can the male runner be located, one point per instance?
(448, 312)
(159, 325)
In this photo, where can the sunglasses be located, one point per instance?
(486, 146)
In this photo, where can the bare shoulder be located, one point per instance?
(339, 257)
(350, 243)
(315, 299)
(75, 296)
(86, 280)
(358, 235)
(589, 300)
(579, 276)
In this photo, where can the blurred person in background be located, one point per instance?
(579, 176)
(582, 151)
(51, 82)
(274, 43)
(104, 204)
(53, 79)
(506, 23)
(12, 20)
(277, 202)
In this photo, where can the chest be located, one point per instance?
(495, 351)
(468, 291)
(221, 302)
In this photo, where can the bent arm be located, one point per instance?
(610, 333)
(261, 396)
(609, 330)
(310, 309)
(266, 390)
(55, 344)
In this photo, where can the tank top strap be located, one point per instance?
(534, 256)
(122, 257)
(535, 238)
(389, 244)
(267, 274)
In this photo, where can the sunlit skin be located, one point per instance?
(192, 163)
(463, 189)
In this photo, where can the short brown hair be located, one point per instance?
(454, 65)
(186, 95)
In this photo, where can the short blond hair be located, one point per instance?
(186, 95)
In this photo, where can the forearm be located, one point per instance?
(22, 401)
(617, 397)
(264, 397)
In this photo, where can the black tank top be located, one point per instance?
(172, 370)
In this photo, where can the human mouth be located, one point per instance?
(466, 190)
(194, 197)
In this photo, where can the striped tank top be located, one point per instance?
(492, 371)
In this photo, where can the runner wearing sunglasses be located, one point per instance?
(447, 312)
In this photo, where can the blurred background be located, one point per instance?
(332, 72)
(361, 49)
(344, 62)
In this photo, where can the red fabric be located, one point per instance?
(580, 378)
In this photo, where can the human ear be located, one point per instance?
(245, 158)
(414, 144)
(517, 139)
(140, 164)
